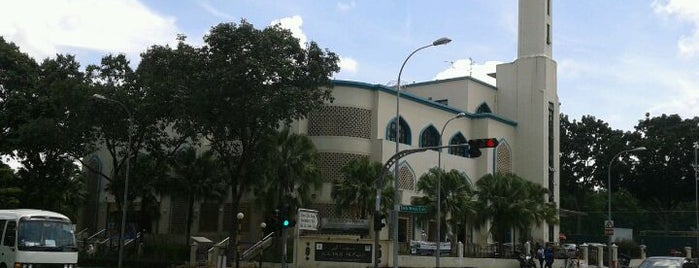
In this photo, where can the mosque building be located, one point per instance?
(521, 111)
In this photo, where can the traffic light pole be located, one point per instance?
(379, 186)
(284, 232)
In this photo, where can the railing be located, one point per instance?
(214, 251)
(101, 232)
(138, 237)
(255, 249)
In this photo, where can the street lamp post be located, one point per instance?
(609, 192)
(240, 217)
(696, 196)
(396, 196)
(126, 177)
(439, 189)
(263, 225)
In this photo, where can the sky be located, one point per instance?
(617, 60)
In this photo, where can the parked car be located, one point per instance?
(667, 262)
(566, 250)
(570, 247)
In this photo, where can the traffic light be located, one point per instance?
(288, 222)
(378, 221)
(474, 146)
(286, 218)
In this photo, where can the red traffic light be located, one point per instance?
(484, 143)
(476, 144)
(491, 143)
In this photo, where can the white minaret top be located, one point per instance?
(535, 28)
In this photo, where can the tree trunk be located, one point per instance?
(190, 210)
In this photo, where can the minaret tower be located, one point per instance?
(527, 94)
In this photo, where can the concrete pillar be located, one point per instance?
(643, 252)
(585, 253)
(600, 256)
(688, 251)
(460, 247)
(193, 253)
(615, 256)
(527, 248)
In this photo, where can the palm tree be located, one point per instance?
(456, 196)
(293, 174)
(195, 176)
(357, 192)
(510, 202)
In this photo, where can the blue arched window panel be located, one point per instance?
(483, 108)
(404, 131)
(429, 137)
(461, 150)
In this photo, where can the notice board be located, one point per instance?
(343, 252)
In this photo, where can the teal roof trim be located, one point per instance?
(433, 104)
(426, 83)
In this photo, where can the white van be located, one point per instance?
(36, 238)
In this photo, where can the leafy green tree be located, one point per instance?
(10, 191)
(661, 177)
(52, 184)
(196, 176)
(128, 126)
(584, 144)
(456, 197)
(18, 79)
(43, 127)
(238, 88)
(510, 202)
(356, 192)
(293, 174)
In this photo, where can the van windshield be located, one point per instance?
(45, 235)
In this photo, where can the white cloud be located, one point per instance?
(214, 11)
(466, 67)
(293, 24)
(684, 10)
(115, 26)
(346, 6)
(684, 98)
(349, 65)
(572, 68)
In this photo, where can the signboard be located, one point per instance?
(344, 226)
(608, 231)
(429, 248)
(308, 219)
(608, 227)
(343, 252)
(608, 224)
(413, 209)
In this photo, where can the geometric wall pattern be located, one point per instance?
(407, 179)
(504, 159)
(330, 164)
(340, 121)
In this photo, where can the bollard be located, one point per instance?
(193, 253)
(643, 252)
(461, 249)
(140, 249)
(221, 258)
(586, 253)
(527, 248)
(615, 256)
(600, 256)
(688, 251)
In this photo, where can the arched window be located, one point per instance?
(461, 150)
(429, 137)
(483, 108)
(404, 131)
